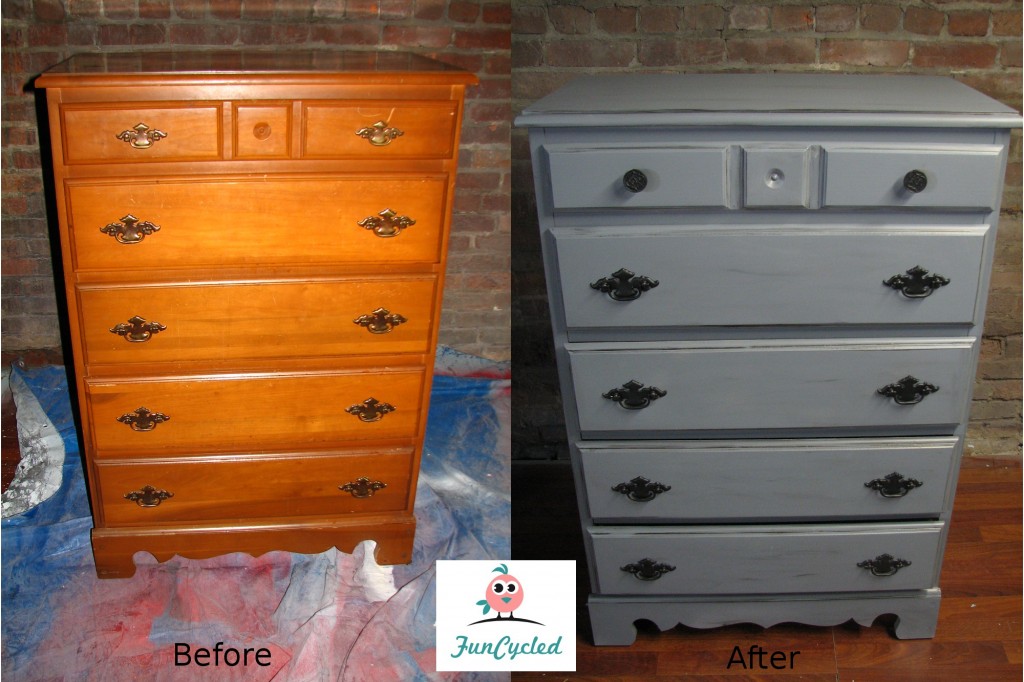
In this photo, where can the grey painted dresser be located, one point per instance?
(767, 294)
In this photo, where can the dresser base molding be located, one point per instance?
(115, 548)
(613, 619)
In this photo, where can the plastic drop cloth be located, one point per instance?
(330, 616)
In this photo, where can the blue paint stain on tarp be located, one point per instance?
(60, 622)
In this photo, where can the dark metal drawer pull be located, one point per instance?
(130, 230)
(641, 489)
(883, 565)
(137, 330)
(624, 285)
(633, 395)
(917, 283)
(370, 410)
(893, 485)
(634, 180)
(379, 134)
(908, 390)
(148, 496)
(362, 487)
(142, 419)
(380, 321)
(141, 136)
(387, 223)
(647, 569)
(915, 181)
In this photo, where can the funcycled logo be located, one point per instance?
(504, 594)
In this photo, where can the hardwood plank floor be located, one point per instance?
(980, 624)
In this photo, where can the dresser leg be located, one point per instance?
(610, 626)
(918, 621)
(394, 548)
(112, 563)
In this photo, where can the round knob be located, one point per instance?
(634, 180)
(915, 181)
(261, 131)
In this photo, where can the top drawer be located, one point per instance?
(378, 129)
(165, 131)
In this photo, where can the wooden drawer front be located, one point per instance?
(207, 489)
(258, 221)
(257, 320)
(242, 413)
(763, 560)
(585, 178)
(182, 132)
(708, 276)
(337, 130)
(756, 481)
(772, 385)
(954, 178)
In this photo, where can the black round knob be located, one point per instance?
(915, 181)
(634, 180)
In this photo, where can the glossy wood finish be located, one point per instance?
(255, 257)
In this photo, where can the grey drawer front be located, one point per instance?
(588, 178)
(774, 276)
(766, 480)
(956, 178)
(770, 385)
(761, 560)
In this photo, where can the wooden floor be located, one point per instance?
(979, 632)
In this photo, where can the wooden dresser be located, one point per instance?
(767, 295)
(254, 251)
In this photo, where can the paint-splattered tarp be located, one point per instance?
(330, 616)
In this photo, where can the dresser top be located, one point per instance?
(235, 66)
(767, 99)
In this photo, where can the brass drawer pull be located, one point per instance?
(641, 489)
(142, 419)
(917, 283)
(141, 136)
(624, 285)
(362, 487)
(908, 390)
(370, 410)
(148, 496)
(633, 395)
(883, 565)
(380, 321)
(893, 485)
(137, 330)
(387, 223)
(648, 569)
(130, 230)
(379, 134)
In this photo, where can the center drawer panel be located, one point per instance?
(250, 320)
(753, 560)
(767, 385)
(255, 221)
(760, 481)
(247, 413)
(724, 276)
(208, 489)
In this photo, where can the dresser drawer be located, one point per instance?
(257, 221)
(242, 413)
(942, 177)
(637, 177)
(142, 132)
(757, 481)
(208, 489)
(251, 320)
(708, 276)
(763, 560)
(378, 130)
(713, 386)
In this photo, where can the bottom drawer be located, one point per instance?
(765, 559)
(239, 488)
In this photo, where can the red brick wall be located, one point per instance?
(473, 34)
(976, 41)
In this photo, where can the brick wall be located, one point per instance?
(978, 42)
(473, 34)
